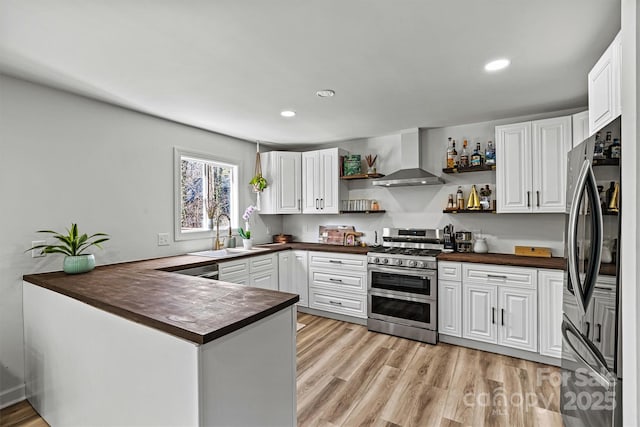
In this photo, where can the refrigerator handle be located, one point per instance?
(572, 243)
(597, 238)
(567, 327)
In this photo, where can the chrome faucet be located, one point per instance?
(217, 244)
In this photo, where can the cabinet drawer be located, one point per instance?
(450, 271)
(337, 302)
(239, 279)
(346, 282)
(500, 275)
(262, 263)
(233, 268)
(337, 261)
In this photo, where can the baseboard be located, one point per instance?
(12, 395)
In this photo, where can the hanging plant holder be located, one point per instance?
(258, 182)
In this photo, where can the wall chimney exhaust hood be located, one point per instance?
(411, 174)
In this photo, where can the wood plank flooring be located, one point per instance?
(348, 376)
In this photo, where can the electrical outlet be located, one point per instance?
(36, 253)
(163, 239)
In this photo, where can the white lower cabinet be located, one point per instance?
(499, 305)
(450, 308)
(293, 275)
(259, 271)
(603, 331)
(550, 295)
(338, 283)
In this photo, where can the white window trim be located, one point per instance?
(236, 165)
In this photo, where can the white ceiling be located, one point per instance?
(231, 66)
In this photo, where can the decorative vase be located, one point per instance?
(371, 170)
(78, 264)
(247, 244)
(480, 246)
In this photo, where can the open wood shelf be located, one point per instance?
(470, 169)
(362, 176)
(364, 212)
(474, 211)
(606, 162)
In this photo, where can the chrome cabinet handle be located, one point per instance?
(502, 317)
(528, 199)
(335, 261)
(335, 302)
(331, 279)
(599, 326)
(321, 203)
(496, 276)
(493, 315)
(538, 197)
(298, 204)
(588, 328)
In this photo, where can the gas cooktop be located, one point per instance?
(405, 251)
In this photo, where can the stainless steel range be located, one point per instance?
(403, 283)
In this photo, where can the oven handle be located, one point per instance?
(396, 295)
(405, 272)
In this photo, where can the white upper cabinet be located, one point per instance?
(321, 185)
(604, 87)
(531, 165)
(283, 171)
(580, 127)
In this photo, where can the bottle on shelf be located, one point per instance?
(614, 150)
(474, 201)
(476, 157)
(490, 154)
(451, 154)
(485, 198)
(450, 204)
(607, 145)
(464, 156)
(598, 151)
(460, 198)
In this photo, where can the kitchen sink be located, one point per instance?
(227, 252)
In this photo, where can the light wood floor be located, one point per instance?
(348, 376)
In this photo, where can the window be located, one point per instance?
(205, 187)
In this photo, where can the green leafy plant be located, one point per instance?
(71, 244)
(245, 234)
(259, 182)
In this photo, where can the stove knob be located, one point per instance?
(420, 264)
(376, 260)
(398, 262)
(385, 260)
(411, 263)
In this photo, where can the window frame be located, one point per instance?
(235, 165)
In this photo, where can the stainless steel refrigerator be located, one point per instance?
(591, 387)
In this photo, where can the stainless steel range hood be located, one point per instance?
(411, 174)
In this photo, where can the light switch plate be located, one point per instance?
(163, 239)
(35, 253)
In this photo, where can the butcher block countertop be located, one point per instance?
(196, 309)
(556, 263)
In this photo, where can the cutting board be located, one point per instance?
(535, 251)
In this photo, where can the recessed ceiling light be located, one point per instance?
(496, 65)
(287, 113)
(325, 93)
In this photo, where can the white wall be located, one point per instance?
(65, 158)
(422, 206)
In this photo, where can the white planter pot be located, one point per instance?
(247, 244)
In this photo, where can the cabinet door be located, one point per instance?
(265, 280)
(289, 182)
(604, 324)
(300, 276)
(551, 141)
(449, 308)
(329, 179)
(550, 293)
(310, 182)
(580, 127)
(513, 168)
(479, 312)
(604, 88)
(518, 318)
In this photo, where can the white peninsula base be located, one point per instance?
(85, 366)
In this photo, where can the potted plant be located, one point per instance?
(247, 241)
(73, 245)
(258, 181)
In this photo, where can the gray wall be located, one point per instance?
(422, 206)
(66, 158)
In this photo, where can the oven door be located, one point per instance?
(409, 281)
(402, 308)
